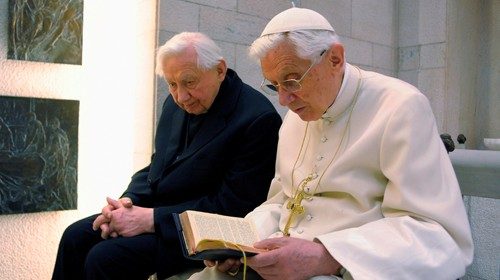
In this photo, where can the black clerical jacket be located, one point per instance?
(228, 166)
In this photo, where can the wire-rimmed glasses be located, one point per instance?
(290, 85)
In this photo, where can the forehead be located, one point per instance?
(281, 61)
(180, 65)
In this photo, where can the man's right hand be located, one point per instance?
(230, 266)
(102, 221)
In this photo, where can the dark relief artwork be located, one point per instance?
(46, 30)
(38, 154)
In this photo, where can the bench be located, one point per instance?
(478, 172)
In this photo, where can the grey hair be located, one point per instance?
(309, 44)
(208, 53)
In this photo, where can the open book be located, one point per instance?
(209, 236)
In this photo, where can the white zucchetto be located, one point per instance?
(296, 19)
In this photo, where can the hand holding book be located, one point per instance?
(210, 236)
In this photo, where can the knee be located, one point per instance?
(112, 259)
(80, 234)
(98, 256)
(73, 231)
(71, 237)
(103, 262)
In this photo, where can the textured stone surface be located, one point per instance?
(338, 12)
(431, 26)
(484, 216)
(262, 9)
(178, 16)
(432, 83)
(408, 23)
(374, 21)
(385, 57)
(433, 56)
(230, 26)
(409, 58)
(358, 52)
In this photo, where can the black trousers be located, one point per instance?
(83, 254)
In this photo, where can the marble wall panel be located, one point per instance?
(38, 154)
(46, 31)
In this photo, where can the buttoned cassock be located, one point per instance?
(389, 205)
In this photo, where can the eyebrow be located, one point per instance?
(288, 72)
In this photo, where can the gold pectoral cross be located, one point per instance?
(295, 204)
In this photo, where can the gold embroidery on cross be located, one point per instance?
(295, 204)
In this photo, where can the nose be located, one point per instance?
(183, 95)
(285, 98)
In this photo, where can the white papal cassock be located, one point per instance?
(384, 200)
(387, 204)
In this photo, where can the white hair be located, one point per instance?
(309, 44)
(208, 53)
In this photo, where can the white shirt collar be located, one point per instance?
(345, 96)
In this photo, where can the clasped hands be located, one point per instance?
(122, 218)
(287, 258)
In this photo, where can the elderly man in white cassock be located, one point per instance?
(364, 188)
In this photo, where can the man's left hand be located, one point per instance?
(131, 221)
(102, 221)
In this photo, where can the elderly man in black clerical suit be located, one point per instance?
(215, 151)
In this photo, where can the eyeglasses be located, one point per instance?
(290, 85)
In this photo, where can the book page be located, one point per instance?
(218, 227)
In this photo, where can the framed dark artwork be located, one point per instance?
(38, 154)
(46, 30)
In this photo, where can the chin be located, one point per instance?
(308, 117)
(196, 111)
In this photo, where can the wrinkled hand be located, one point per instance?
(102, 221)
(292, 258)
(130, 221)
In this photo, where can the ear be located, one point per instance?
(221, 70)
(336, 56)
